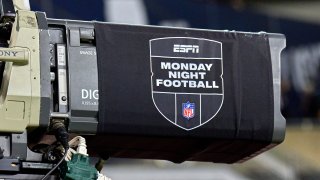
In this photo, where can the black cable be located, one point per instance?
(62, 136)
(99, 164)
(56, 166)
(61, 133)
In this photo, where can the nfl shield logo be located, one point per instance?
(187, 79)
(188, 110)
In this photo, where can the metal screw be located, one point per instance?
(52, 158)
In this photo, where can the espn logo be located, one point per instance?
(185, 48)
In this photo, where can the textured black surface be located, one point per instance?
(2, 66)
(131, 126)
(45, 81)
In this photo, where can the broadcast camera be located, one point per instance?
(131, 91)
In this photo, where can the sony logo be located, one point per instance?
(8, 53)
(185, 48)
(90, 53)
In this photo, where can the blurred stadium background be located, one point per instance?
(299, 156)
